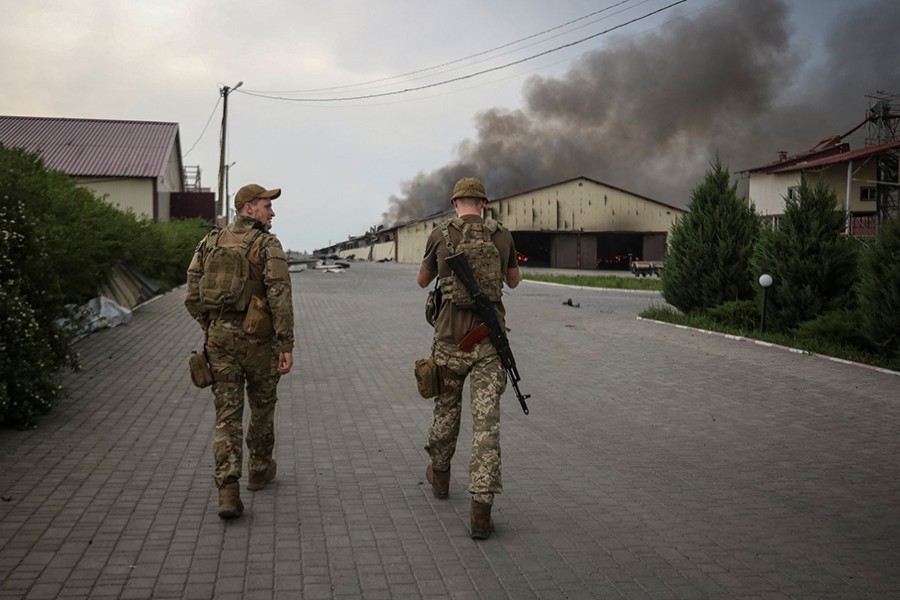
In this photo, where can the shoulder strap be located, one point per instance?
(445, 229)
(248, 240)
(213, 236)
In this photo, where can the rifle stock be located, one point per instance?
(485, 310)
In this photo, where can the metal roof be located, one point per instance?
(836, 158)
(94, 147)
(828, 152)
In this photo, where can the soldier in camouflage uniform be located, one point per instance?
(487, 379)
(236, 357)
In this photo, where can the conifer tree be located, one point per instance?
(812, 263)
(879, 290)
(708, 262)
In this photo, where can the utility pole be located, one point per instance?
(225, 90)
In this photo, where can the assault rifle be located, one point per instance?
(485, 310)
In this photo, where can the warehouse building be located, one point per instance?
(580, 223)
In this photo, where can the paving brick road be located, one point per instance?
(656, 463)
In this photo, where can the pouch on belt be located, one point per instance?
(201, 374)
(428, 378)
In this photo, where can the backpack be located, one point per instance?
(483, 256)
(224, 286)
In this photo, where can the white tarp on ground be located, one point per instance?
(101, 312)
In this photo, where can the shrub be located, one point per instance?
(813, 265)
(879, 289)
(743, 315)
(842, 327)
(33, 345)
(710, 247)
(57, 243)
(177, 242)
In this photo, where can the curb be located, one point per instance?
(741, 338)
(590, 288)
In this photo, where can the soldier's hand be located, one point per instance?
(285, 362)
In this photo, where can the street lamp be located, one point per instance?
(765, 280)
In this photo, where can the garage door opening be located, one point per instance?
(533, 248)
(614, 250)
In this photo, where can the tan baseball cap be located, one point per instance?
(468, 187)
(252, 192)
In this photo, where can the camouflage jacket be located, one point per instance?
(268, 264)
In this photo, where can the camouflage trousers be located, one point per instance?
(242, 358)
(487, 382)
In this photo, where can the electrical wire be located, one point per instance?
(470, 75)
(451, 62)
(205, 126)
(476, 86)
(423, 74)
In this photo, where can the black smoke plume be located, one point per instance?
(649, 114)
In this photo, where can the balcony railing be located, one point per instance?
(863, 226)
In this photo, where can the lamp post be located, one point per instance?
(765, 280)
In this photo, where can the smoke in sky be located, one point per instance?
(650, 113)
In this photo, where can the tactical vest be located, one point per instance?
(226, 286)
(483, 256)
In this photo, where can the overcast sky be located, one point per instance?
(644, 107)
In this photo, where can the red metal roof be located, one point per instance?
(827, 147)
(835, 158)
(94, 147)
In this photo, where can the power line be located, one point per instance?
(205, 126)
(448, 63)
(423, 72)
(470, 75)
(475, 86)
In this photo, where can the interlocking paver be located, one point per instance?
(656, 463)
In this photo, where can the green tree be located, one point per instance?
(708, 262)
(58, 242)
(813, 264)
(879, 289)
(33, 344)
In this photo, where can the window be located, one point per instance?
(793, 192)
(867, 194)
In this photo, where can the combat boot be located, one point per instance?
(439, 480)
(230, 505)
(480, 520)
(258, 481)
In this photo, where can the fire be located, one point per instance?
(613, 261)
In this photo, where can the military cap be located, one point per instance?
(468, 187)
(252, 192)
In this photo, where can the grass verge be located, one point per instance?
(598, 281)
(809, 344)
